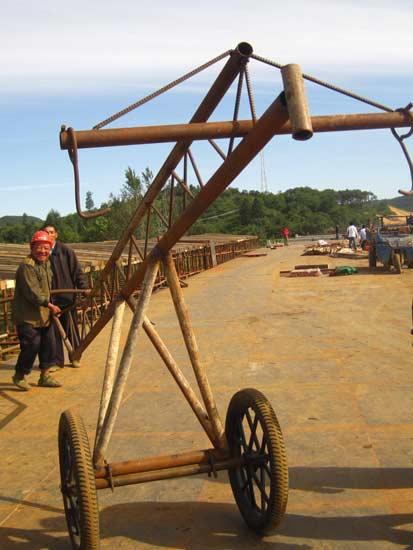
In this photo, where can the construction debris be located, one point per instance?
(314, 270)
(335, 250)
(274, 244)
(253, 255)
(351, 254)
(321, 248)
(310, 270)
(344, 270)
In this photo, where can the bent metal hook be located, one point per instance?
(400, 138)
(72, 150)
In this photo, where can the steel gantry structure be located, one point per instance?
(250, 444)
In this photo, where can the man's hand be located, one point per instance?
(55, 310)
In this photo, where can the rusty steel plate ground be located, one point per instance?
(333, 355)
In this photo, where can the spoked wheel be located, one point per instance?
(78, 483)
(260, 483)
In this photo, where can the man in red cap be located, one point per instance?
(67, 273)
(32, 311)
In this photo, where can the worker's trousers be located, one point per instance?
(34, 341)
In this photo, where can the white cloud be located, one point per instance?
(58, 46)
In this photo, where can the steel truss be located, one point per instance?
(250, 444)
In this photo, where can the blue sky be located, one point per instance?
(76, 63)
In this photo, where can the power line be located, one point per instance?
(219, 215)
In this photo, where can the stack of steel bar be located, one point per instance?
(93, 256)
(191, 255)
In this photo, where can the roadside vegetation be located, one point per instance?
(302, 209)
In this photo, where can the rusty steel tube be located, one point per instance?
(167, 473)
(217, 91)
(227, 129)
(296, 102)
(192, 348)
(180, 379)
(110, 369)
(161, 462)
(204, 111)
(265, 128)
(126, 360)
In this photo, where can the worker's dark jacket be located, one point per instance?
(32, 293)
(67, 273)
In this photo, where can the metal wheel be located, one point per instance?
(260, 483)
(397, 262)
(78, 483)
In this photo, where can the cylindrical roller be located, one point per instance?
(297, 102)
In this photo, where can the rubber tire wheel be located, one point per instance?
(76, 468)
(397, 262)
(372, 257)
(268, 515)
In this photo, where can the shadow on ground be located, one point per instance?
(332, 479)
(11, 407)
(336, 480)
(183, 525)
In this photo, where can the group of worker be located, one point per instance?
(50, 265)
(353, 234)
(357, 236)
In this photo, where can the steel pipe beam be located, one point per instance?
(215, 130)
(167, 473)
(110, 368)
(265, 128)
(297, 102)
(193, 349)
(182, 382)
(206, 456)
(112, 408)
(218, 90)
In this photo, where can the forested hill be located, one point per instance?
(303, 210)
(13, 220)
(404, 203)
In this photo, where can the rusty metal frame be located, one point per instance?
(242, 154)
(218, 130)
(284, 116)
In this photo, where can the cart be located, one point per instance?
(249, 445)
(392, 243)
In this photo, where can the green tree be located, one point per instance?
(132, 187)
(89, 201)
(257, 209)
(53, 217)
(245, 212)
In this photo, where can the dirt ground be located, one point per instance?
(333, 355)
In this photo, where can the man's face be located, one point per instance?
(41, 252)
(52, 232)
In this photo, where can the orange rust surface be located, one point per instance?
(333, 355)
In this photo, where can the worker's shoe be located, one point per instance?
(75, 364)
(20, 382)
(55, 368)
(47, 381)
